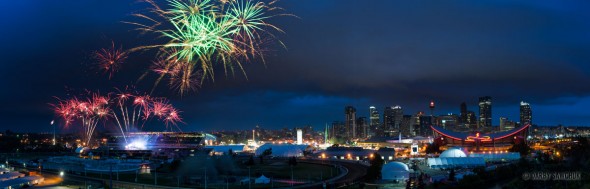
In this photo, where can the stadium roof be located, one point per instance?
(492, 136)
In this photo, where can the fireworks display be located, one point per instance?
(205, 33)
(110, 59)
(127, 111)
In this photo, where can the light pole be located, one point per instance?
(111, 175)
(52, 121)
(61, 175)
(291, 175)
(136, 172)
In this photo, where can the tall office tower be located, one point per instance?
(299, 136)
(406, 126)
(362, 127)
(398, 114)
(471, 119)
(373, 120)
(350, 121)
(421, 124)
(391, 114)
(388, 120)
(506, 125)
(338, 130)
(448, 121)
(485, 112)
(463, 115)
(526, 114)
(503, 121)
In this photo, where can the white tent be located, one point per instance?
(282, 150)
(455, 162)
(453, 152)
(507, 156)
(395, 171)
(262, 180)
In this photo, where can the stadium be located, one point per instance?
(480, 142)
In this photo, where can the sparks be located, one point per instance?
(129, 111)
(110, 59)
(206, 34)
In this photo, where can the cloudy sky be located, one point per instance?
(339, 52)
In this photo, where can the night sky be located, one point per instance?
(339, 52)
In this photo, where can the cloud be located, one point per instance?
(339, 52)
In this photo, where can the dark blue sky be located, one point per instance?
(339, 52)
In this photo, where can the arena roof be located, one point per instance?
(483, 137)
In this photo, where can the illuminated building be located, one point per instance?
(362, 127)
(373, 120)
(421, 124)
(506, 124)
(392, 119)
(479, 141)
(449, 121)
(485, 112)
(388, 120)
(350, 121)
(407, 127)
(471, 119)
(299, 136)
(156, 143)
(338, 130)
(355, 153)
(526, 114)
(463, 115)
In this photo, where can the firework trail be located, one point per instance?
(203, 34)
(129, 111)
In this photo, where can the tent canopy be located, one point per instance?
(262, 180)
(395, 171)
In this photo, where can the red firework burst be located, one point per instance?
(110, 59)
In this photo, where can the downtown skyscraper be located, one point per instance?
(392, 118)
(350, 121)
(485, 112)
(526, 114)
(373, 120)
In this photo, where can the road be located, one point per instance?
(356, 172)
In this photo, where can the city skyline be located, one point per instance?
(398, 53)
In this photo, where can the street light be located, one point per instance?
(52, 121)
(61, 174)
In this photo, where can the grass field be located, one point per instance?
(277, 170)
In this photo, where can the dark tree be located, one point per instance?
(250, 162)
(230, 152)
(174, 165)
(292, 161)
(452, 175)
(521, 148)
(432, 148)
(374, 171)
(266, 152)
